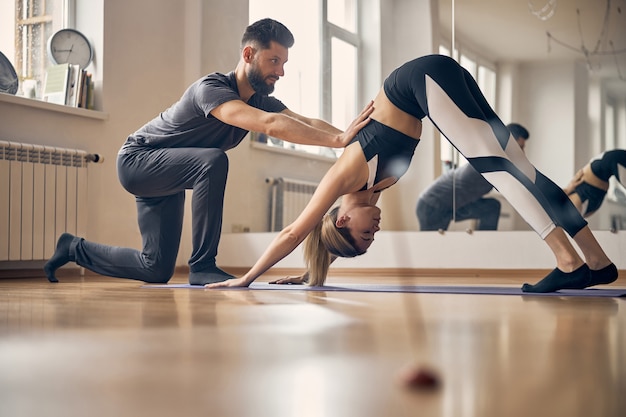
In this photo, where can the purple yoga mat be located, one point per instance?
(428, 289)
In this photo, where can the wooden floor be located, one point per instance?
(97, 346)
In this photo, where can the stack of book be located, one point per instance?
(69, 85)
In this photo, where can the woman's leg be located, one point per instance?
(461, 113)
(603, 271)
(570, 272)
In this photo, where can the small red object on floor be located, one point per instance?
(420, 378)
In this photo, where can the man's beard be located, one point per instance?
(256, 80)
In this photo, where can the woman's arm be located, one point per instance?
(292, 235)
(300, 279)
(342, 178)
(574, 182)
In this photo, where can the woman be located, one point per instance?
(438, 87)
(590, 184)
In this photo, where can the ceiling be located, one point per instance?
(507, 30)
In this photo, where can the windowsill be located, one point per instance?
(38, 104)
(291, 152)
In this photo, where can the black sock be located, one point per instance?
(559, 280)
(61, 256)
(209, 275)
(605, 275)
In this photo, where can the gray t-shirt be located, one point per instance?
(465, 182)
(188, 122)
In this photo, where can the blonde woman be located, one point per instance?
(436, 87)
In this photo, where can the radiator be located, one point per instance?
(288, 197)
(43, 193)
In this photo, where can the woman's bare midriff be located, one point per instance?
(388, 114)
(590, 178)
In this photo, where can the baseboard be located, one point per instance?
(38, 273)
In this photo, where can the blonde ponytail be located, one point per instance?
(316, 256)
(326, 239)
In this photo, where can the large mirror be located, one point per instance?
(525, 54)
(561, 73)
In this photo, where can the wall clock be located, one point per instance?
(69, 46)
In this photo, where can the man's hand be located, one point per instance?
(357, 124)
(235, 282)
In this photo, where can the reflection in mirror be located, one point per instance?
(600, 182)
(531, 85)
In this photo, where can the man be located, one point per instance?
(464, 189)
(184, 148)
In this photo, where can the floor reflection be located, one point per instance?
(109, 347)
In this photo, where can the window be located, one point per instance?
(340, 54)
(321, 76)
(26, 27)
(609, 126)
(343, 72)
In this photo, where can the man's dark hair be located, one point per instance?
(518, 131)
(265, 31)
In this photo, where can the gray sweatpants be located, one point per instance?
(158, 178)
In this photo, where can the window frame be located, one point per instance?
(24, 40)
(328, 31)
(610, 125)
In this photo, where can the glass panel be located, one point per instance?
(342, 13)
(447, 152)
(343, 79)
(300, 87)
(33, 27)
(468, 64)
(609, 127)
(487, 82)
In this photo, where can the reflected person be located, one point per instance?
(463, 188)
(590, 184)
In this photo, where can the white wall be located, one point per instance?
(547, 109)
(7, 32)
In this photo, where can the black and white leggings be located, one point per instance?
(453, 101)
